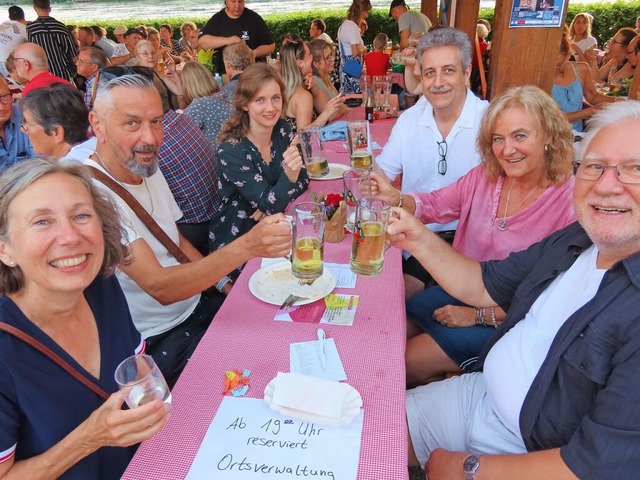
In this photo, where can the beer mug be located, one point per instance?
(356, 184)
(369, 234)
(359, 142)
(307, 256)
(313, 152)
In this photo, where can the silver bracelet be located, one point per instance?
(223, 281)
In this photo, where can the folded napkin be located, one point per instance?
(334, 131)
(321, 401)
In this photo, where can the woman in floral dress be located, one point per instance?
(260, 170)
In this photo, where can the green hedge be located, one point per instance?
(608, 18)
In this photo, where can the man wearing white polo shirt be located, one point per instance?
(433, 143)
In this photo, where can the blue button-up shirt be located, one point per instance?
(17, 146)
(585, 398)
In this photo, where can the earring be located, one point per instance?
(11, 264)
(546, 148)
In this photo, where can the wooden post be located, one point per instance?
(430, 9)
(521, 56)
(634, 89)
(466, 17)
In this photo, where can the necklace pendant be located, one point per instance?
(502, 226)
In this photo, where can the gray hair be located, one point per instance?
(96, 55)
(21, 176)
(107, 83)
(612, 114)
(238, 56)
(446, 37)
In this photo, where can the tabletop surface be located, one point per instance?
(244, 335)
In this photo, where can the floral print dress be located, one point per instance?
(246, 184)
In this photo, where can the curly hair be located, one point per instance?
(549, 120)
(21, 176)
(251, 81)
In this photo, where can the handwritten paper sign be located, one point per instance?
(248, 440)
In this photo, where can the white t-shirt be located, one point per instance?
(349, 34)
(587, 43)
(524, 348)
(325, 37)
(412, 149)
(121, 50)
(149, 316)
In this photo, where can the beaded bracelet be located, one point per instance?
(494, 323)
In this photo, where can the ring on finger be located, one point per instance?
(444, 323)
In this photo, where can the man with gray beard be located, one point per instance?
(433, 143)
(163, 293)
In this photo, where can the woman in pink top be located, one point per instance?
(520, 194)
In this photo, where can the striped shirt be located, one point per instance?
(54, 37)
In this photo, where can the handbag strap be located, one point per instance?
(142, 214)
(54, 357)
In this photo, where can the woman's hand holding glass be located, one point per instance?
(111, 426)
(292, 160)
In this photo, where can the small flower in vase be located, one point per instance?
(335, 213)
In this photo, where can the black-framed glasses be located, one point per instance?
(6, 99)
(442, 151)
(592, 171)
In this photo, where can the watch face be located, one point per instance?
(471, 464)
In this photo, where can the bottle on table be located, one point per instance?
(368, 107)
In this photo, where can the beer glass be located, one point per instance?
(307, 259)
(369, 233)
(359, 142)
(313, 152)
(357, 184)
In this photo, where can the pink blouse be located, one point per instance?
(474, 199)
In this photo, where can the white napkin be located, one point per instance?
(309, 394)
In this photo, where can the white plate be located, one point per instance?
(335, 172)
(274, 283)
(351, 406)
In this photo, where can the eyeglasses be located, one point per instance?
(592, 171)
(619, 43)
(330, 57)
(442, 151)
(6, 99)
(80, 60)
(24, 126)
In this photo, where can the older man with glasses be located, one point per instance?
(88, 62)
(14, 143)
(555, 394)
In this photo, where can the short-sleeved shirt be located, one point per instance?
(413, 21)
(348, 34)
(40, 403)
(17, 146)
(249, 26)
(209, 113)
(149, 316)
(412, 148)
(54, 37)
(246, 184)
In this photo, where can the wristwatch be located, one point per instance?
(470, 466)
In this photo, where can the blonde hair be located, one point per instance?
(550, 121)
(289, 70)
(380, 41)
(588, 17)
(197, 82)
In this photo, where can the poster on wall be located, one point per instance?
(536, 13)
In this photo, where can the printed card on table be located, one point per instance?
(335, 309)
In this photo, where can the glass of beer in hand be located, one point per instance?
(307, 258)
(313, 152)
(369, 233)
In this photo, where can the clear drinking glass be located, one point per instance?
(313, 152)
(357, 184)
(359, 141)
(368, 245)
(307, 256)
(141, 381)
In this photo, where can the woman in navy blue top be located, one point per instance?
(59, 243)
